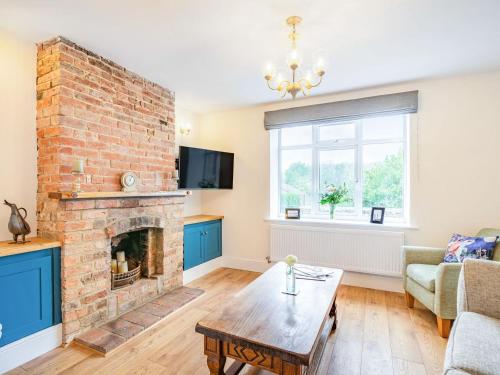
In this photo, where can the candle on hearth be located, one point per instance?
(78, 166)
(122, 267)
(114, 266)
(120, 256)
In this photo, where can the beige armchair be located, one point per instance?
(434, 283)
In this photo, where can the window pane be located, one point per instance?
(336, 132)
(384, 127)
(383, 178)
(337, 167)
(300, 135)
(296, 179)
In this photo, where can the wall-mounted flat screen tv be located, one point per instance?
(205, 169)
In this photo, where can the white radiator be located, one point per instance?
(367, 251)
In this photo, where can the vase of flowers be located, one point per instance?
(333, 196)
(290, 261)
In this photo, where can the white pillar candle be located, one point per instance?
(78, 166)
(120, 256)
(114, 266)
(122, 267)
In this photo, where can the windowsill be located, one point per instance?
(340, 223)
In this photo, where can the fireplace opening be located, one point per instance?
(135, 254)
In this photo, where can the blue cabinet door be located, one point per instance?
(212, 243)
(193, 245)
(26, 294)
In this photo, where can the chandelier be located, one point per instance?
(294, 61)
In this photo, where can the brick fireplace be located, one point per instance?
(92, 109)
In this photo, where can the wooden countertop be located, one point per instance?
(114, 194)
(201, 218)
(35, 244)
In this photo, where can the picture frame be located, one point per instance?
(292, 213)
(377, 215)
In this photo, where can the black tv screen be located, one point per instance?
(205, 169)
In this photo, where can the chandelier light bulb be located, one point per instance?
(279, 78)
(308, 77)
(319, 67)
(294, 60)
(269, 72)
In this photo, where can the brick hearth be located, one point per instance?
(111, 335)
(93, 109)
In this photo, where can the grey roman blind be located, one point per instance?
(391, 104)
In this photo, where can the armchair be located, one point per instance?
(434, 283)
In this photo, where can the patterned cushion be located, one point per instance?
(461, 247)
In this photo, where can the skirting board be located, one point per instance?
(363, 280)
(246, 264)
(201, 270)
(21, 351)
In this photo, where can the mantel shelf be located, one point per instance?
(114, 194)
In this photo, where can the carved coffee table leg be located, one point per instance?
(288, 368)
(333, 313)
(216, 364)
(215, 359)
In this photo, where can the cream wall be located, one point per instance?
(18, 171)
(455, 169)
(192, 204)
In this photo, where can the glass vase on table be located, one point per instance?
(290, 280)
(290, 288)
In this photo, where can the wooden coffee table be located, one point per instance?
(277, 332)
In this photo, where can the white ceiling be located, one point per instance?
(211, 52)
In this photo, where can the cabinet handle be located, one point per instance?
(1, 330)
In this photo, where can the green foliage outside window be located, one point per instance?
(290, 200)
(298, 175)
(382, 185)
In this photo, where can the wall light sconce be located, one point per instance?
(185, 128)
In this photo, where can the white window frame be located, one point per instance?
(355, 143)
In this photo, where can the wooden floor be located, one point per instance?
(376, 334)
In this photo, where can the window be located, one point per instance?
(368, 155)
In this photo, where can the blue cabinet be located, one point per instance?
(213, 245)
(193, 245)
(30, 295)
(202, 242)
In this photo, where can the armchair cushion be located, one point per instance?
(423, 274)
(473, 345)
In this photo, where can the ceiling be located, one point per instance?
(212, 53)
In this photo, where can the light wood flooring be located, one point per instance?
(376, 334)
